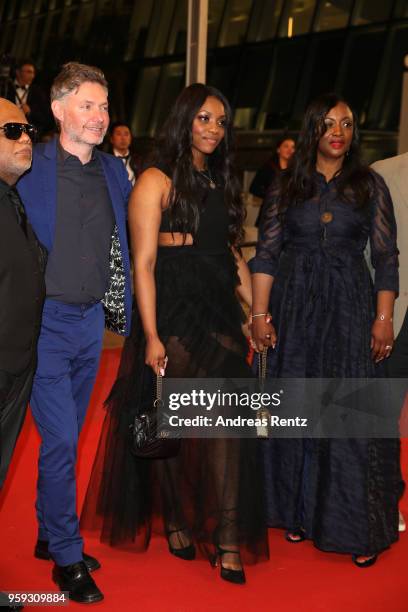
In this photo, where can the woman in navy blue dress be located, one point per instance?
(328, 320)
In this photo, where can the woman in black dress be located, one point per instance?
(285, 148)
(185, 218)
(329, 321)
(267, 174)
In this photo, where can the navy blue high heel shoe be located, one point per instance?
(295, 536)
(367, 563)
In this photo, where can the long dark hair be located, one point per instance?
(174, 151)
(298, 184)
(274, 159)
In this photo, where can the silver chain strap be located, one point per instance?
(262, 431)
(159, 390)
(262, 366)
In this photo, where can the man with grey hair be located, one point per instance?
(76, 199)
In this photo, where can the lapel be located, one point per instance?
(113, 185)
(49, 185)
(47, 160)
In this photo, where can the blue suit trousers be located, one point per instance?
(69, 350)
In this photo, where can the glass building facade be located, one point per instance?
(270, 57)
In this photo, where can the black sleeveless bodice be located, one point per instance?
(212, 233)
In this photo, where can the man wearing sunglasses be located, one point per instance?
(22, 289)
(76, 198)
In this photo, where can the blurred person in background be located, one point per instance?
(285, 147)
(263, 179)
(30, 97)
(121, 141)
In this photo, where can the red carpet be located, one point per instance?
(297, 577)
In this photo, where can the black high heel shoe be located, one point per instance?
(187, 553)
(367, 563)
(236, 576)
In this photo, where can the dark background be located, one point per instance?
(355, 47)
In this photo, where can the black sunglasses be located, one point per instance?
(13, 131)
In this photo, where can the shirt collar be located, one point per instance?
(64, 155)
(321, 179)
(18, 86)
(118, 154)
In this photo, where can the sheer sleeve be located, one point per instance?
(262, 180)
(270, 240)
(383, 238)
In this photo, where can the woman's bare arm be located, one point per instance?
(382, 332)
(244, 289)
(263, 331)
(145, 207)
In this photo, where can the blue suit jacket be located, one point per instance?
(38, 190)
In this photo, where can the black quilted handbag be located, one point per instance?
(146, 441)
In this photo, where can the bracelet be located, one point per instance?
(260, 314)
(382, 317)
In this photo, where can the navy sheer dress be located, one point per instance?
(342, 492)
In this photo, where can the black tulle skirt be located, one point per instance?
(213, 488)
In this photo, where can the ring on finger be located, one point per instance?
(268, 336)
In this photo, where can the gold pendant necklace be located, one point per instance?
(208, 178)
